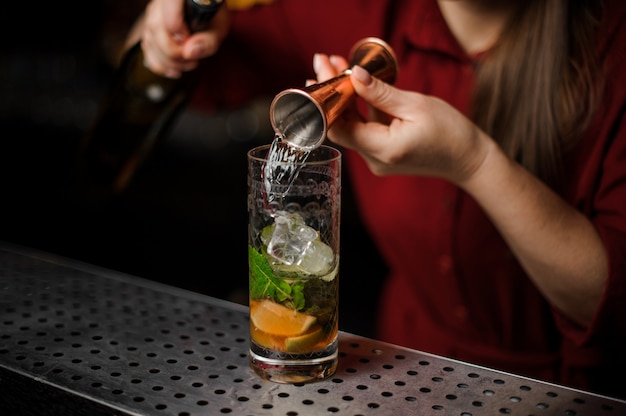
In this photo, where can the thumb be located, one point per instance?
(378, 94)
(174, 21)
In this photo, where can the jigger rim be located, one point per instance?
(386, 47)
(321, 136)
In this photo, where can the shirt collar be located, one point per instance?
(426, 29)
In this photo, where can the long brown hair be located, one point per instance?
(536, 91)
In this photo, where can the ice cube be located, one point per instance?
(317, 259)
(291, 238)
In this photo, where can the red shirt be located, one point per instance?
(455, 288)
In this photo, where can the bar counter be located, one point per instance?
(76, 339)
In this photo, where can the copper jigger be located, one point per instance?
(302, 116)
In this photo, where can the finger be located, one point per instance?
(207, 42)
(174, 20)
(366, 137)
(324, 67)
(165, 62)
(380, 95)
(339, 62)
(158, 47)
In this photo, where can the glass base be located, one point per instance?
(293, 368)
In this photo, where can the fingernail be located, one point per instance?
(362, 75)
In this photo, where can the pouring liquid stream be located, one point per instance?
(284, 162)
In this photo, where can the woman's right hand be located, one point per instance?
(406, 133)
(168, 46)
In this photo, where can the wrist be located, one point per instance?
(483, 168)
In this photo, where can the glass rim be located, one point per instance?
(334, 156)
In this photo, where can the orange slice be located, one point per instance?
(275, 319)
(266, 340)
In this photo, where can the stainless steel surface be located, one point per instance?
(302, 116)
(143, 348)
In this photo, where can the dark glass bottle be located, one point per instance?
(139, 108)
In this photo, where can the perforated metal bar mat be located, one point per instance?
(135, 347)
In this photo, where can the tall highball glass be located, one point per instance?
(294, 204)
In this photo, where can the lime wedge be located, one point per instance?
(302, 343)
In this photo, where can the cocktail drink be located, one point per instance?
(293, 252)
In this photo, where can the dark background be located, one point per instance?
(183, 219)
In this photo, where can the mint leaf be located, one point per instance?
(298, 296)
(264, 284)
